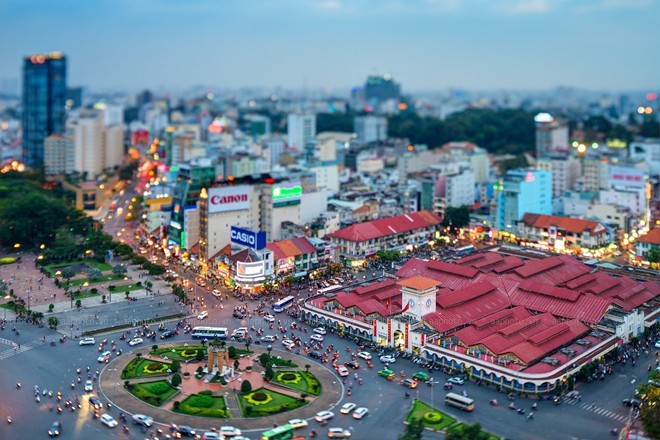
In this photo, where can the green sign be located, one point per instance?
(283, 193)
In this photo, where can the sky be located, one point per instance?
(333, 44)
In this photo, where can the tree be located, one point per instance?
(176, 379)
(307, 367)
(413, 430)
(246, 387)
(53, 322)
(78, 304)
(51, 307)
(468, 432)
(199, 355)
(94, 274)
(120, 269)
(176, 366)
(68, 273)
(269, 373)
(127, 293)
(388, 255)
(650, 411)
(456, 217)
(653, 255)
(148, 285)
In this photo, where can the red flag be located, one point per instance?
(387, 303)
(405, 309)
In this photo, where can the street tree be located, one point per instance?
(94, 274)
(468, 432)
(456, 217)
(119, 269)
(413, 430)
(68, 273)
(53, 323)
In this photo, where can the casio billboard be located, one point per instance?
(254, 240)
(229, 198)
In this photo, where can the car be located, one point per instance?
(288, 343)
(167, 334)
(360, 412)
(315, 354)
(410, 383)
(338, 433)
(203, 315)
(342, 371)
(141, 419)
(389, 374)
(298, 423)
(320, 331)
(631, 402)
(216, 293)
(316, 337)
(186, 430)
(364, 355)
(87, 341)
(268, 338)
(108, 420)
(346, 408)
(95, 402)
(239, 333)
(420, 375)
(89, 386)
(657, 344)
(134, 342)
(55, 429)
(238, 315)
(269, 318)
(324, 416)
(210, 435)
(229, 431)
(104, 357)
(352, 364)
(456, 380)
(388, 359)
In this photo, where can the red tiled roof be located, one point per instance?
(361, 210)
(651, 237)
(291, 248)
(387, 226)
(554, 271)
(195, 249)
(567, 224)
(419, 283)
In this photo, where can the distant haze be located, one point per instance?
(424, 44)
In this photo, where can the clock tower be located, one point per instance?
(418, 296)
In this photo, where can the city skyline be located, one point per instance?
(425, 45)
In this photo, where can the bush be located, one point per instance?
(269, 373)
(206, 393)
(432, 417)
(200, 370)
(288, 377)
(159, 388)
(232, 351)
(189, 352)
(176, 365)
(176, 380)
(259, 397)
(153, 367)
(246, 386)
(176, 404)
(199, 355)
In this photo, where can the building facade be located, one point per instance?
(523, 191)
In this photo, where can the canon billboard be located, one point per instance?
(229, 198)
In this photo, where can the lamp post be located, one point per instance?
(632, 406)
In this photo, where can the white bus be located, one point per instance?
(464, 403)
(283, 304)
(209, 332)
(330, 289)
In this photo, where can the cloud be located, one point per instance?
(520, 7)
(329, 5)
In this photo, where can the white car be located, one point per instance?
(320, 331)
(134, 342)
(210, 435)
(229, 431)
(324, 416)
(141, 419)
(298, 423)
(342, 371)
(657, 344)
(364, 355)
(316, 337)
(87, 341)
(360, 412)
(268, 338)
(338, 433)
(288, 343)
(346, 408)
(108, 421)
(89, 386)
(456, 380)
(203, 315)
(388, 359)
(104, 357)
(269, 318)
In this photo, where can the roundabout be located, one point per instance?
(207, 385)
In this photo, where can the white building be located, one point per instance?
(87, 131)
(648, 151)
(301, 131)
(631, 198)
(565, 171)
(370, 128)
(327, 177)
(58, 155)
(475, 156)
(551, 134)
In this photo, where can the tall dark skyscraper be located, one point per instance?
(44, 102)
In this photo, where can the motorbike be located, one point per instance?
(18, 385)
(512, 406)
(521, 411)
(535, 406)
(9, 419)
(494, 402)
(125, 429)
(52, 343)
(530, 416)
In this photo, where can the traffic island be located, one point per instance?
(266, 402)
(431, 418)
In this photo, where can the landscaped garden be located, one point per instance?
(8, 260)
(203, 404)
(139, 367)
(180, 353)
(77, 266)
(299, 380)
(461, 430)
(262, 402)
(154, 393)
(431, 418)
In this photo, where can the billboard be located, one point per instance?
(229, 198)
(627, 176)
(286, 193)
(249, 271)
(245, 237)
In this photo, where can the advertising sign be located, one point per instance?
(229, 198)
(245, 237)
(285, 193)
(627, 176)
(249, 270)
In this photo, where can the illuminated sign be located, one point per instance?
(626, 176)
(244, 237)
(230, 198)
(616, 143)
(286, 193)
(249, 270)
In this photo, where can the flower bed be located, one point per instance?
(139, 367)
(299, 380)
(431, 417)
(8, 260)
(154, 393)
(203, 405)
(263, 402)
(179, 353)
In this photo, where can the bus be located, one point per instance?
(464, 403)
(465, 250)
(283, 304)
(209, 332)
(283, 432)
(330, 289)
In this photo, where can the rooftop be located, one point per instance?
(387, 226)
(567, 224)
(419, 283)
(651, 237)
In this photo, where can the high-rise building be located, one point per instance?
(523, 191)
(301, 133)
(565, 169)
(370, 128)
(551, 134)
(58, 155)
(380, 88)
(44, 103)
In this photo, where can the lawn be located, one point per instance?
(427, 414)
(179, 353)
(263, 402)
(139, 367)
(103, 279)
(54, 267)
(460, 427)
(299, 380)
(125, 287)
(154, 393)
(8, 260)
(203, 405)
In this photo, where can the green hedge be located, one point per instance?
(154, 393)
(203, 406)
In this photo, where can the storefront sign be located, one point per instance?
(406, 334)
(389, 330)
(286, 192)
(230, 198)
(245, 237)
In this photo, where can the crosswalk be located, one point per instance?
(595, 409)
(9, 352)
